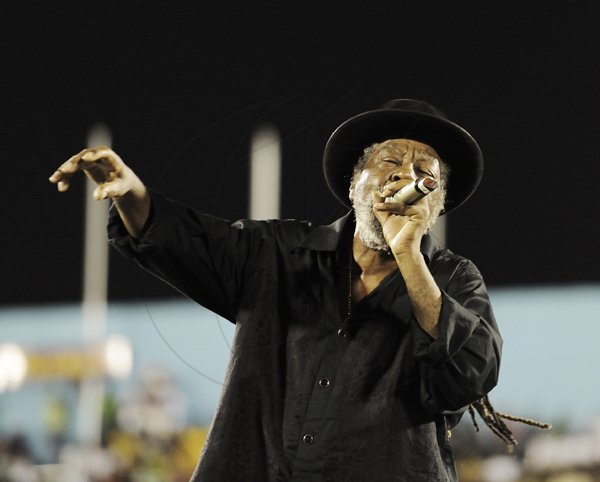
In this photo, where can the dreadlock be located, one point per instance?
(494, 421)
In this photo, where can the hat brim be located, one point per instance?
(456, 147)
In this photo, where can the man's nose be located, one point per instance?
(404, 171)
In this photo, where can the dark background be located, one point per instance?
(183, 85)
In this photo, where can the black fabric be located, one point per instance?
(303, 400)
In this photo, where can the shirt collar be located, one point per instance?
(327, 237)
(429, 247)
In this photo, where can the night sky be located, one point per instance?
(182, 86)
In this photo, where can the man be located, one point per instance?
(358, 344)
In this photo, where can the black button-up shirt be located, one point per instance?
(312, 391)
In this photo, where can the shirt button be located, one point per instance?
(324, 382)
(341, 333)
(308, 439)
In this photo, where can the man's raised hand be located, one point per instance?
(114, 179)
(103, 166)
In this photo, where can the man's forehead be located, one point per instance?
(403, 145)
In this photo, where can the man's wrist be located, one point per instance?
(408, 252)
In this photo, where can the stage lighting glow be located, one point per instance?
(13, 367)
(118, 356)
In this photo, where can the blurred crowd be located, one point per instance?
(146, 437)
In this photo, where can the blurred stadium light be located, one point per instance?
(13, 367)
(265, 173)
(94, 305)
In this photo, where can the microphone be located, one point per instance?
(414, 191)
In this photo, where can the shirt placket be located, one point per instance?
(322, 412)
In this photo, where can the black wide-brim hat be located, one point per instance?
(404, 119)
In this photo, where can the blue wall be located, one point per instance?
(549, 368)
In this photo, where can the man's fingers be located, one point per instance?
(393, 187)
(380, 204)
(99, 194)
(396, 208)
(110, 189)
(61, 179)
(63, 186)
(86, 160)
(94, 154)
(67, 168)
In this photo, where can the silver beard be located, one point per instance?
(367, 226)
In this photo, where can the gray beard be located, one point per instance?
(368, 228)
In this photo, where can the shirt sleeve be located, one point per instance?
(462, 364)
(201, 256)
